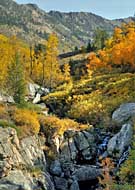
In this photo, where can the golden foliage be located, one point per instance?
(118, 53)
(92, 100)
(3, 112)
(52, 125)
(27, 121)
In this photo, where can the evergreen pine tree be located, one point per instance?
(16, 80)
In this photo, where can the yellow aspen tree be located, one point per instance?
(51, 69)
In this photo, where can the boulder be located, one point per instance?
(16, 181)
(37, 98)
(32, 88)
(118, 143)
(55, 168)
(81, 141)
(85, 173)
(73, 149)
(65, 154)
(124, 113)
(61, 183)
(90, 137)
(35, 91)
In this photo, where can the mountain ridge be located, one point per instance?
(33, 24)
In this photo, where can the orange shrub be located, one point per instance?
(52, 124)
(27, 120)
(118, 52)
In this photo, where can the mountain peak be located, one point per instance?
(32, 5)
(31, 23)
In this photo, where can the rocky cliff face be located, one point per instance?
(22, 163)
(75, 165)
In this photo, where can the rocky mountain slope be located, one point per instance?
(24, 164)
(31, 23)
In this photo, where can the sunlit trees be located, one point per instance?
(52, 73)
(118, 52)
(8, 49)
(45, 68)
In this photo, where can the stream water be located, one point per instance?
(102, 147)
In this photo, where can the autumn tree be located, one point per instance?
(118, 53)
(51, 70)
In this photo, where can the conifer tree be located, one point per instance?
(16, 79)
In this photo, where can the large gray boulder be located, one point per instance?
(84, 173)
(124, 113)
(28, 151)
(118, 143)
(77, 143)
(81, 141)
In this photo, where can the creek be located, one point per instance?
(101, 151)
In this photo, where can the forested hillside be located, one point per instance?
(31, 23)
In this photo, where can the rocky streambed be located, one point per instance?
(25, 164)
